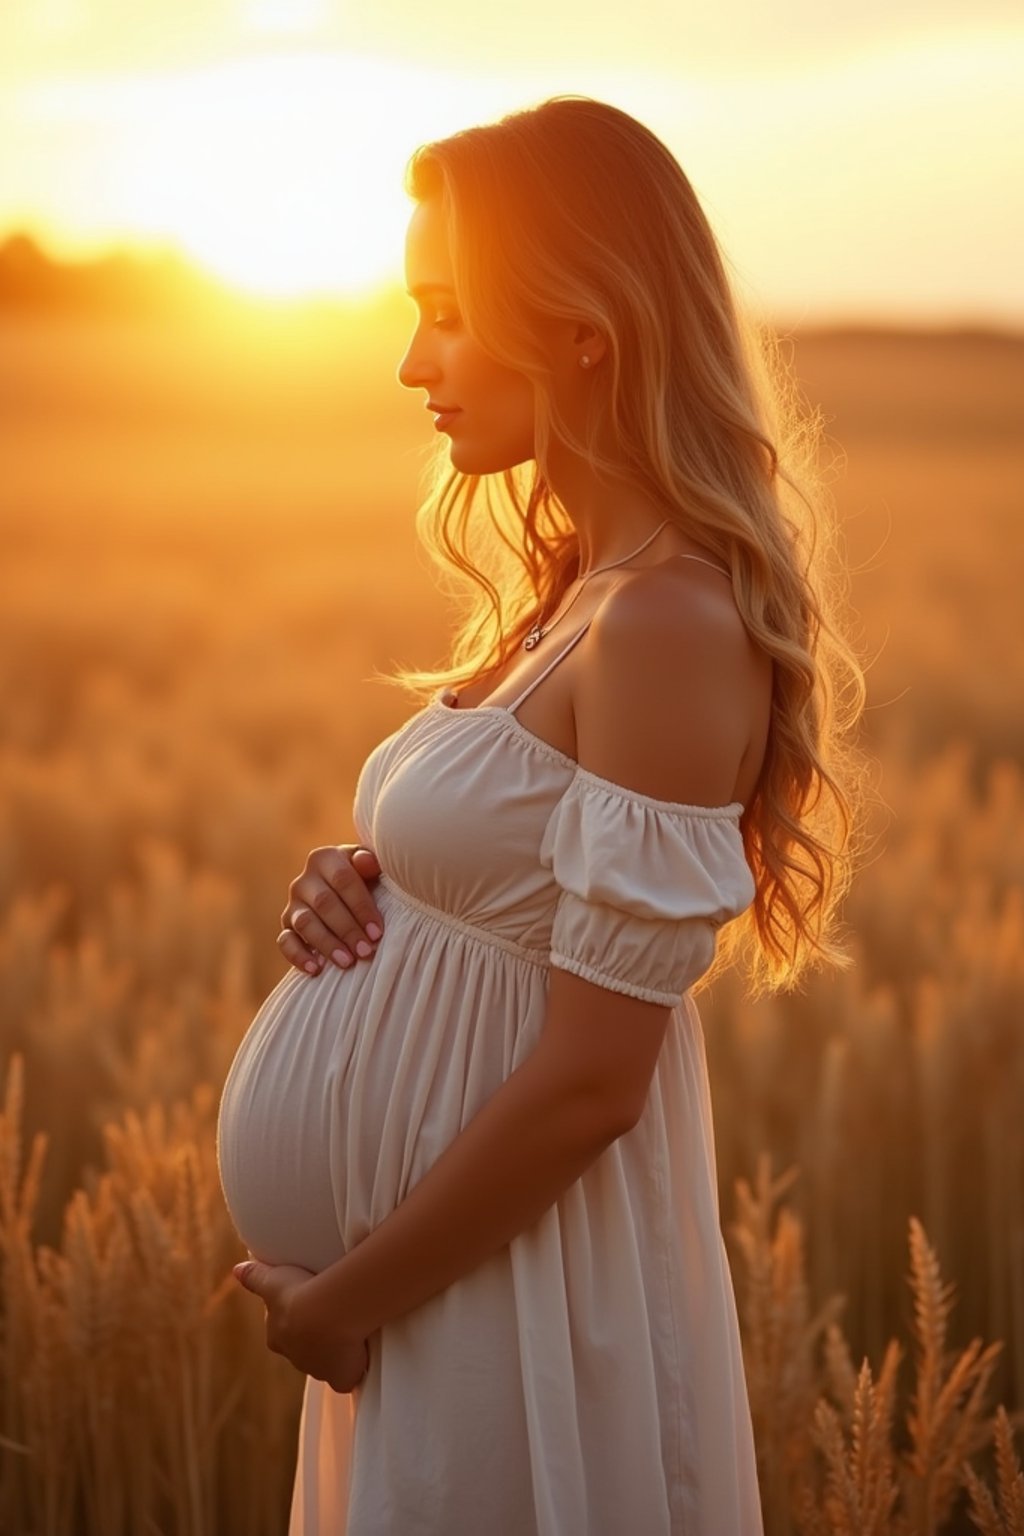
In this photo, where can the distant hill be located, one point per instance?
(129, 283)
(132, 283)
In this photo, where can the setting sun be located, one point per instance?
(278, 173)
(267, 141)
(258, 169)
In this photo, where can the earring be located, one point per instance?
(584, 361)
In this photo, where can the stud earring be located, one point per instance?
(584, 361)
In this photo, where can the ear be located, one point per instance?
(588, 342)
(569, 340)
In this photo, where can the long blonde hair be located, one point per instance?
(574, 210)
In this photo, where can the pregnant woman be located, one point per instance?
(468, 1137)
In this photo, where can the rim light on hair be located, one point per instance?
(574, 210)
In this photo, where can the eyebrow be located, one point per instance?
(421, 289)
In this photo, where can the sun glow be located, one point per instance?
(266, 173)
(878, 186)
(282, 175)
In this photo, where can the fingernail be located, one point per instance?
(363, 949)
(373, 931)
(312, 966)
(341, 957)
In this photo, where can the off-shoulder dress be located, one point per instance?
(588, 1379)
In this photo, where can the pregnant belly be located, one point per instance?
(276, 1125)
(348, 1085)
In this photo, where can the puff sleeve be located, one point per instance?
(644, 886)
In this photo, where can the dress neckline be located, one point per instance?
(730, 812)
(517, 726)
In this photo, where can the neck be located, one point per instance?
(610, 516)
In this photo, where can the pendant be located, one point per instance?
(533, 638)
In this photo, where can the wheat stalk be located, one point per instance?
(861, 1483)
(1006, 1519)
(945, 1421)
(19, 1192)
(779, 1336)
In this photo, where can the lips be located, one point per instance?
(442, 410)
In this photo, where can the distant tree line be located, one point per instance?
(161, 285)
(122, 281)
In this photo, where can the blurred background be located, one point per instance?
(208, 480)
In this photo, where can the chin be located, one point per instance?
(475, 460)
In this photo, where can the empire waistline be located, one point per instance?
(475, 931)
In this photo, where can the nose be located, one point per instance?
(416, 371)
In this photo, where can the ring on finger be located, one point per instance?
(293, 924)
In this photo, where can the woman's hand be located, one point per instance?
(330, 911)
(296, 1326)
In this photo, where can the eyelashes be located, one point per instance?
(442, 323)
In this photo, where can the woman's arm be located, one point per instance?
(664, 708)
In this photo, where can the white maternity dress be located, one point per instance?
(588, 1379)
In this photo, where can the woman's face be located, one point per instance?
(492, 429)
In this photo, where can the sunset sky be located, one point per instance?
(856, 159)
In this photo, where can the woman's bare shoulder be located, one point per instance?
(670, 686)
(678, 600)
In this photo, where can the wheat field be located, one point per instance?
(208, 558)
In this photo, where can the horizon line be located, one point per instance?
(149, 254)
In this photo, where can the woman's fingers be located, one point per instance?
(364, 862)
(315, 936)
(297, 953)
(331, 912)
(341, 900)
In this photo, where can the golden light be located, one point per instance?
(281, 173)
(869, 182)
(260, 171)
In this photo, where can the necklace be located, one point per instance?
(536, 633)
